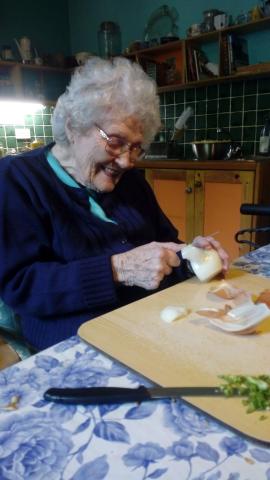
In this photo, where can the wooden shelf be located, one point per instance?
(178, 48)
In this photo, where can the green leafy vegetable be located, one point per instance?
(255, 390)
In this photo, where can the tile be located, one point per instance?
(249, 133)
(211, 106)
(179, 96)
(10, 131)
(211, 133)
(264, 101)
(179, 108)
(224, 90)
(200, 121)
(162, 98)
(261, 116)
(201, 93)
(248, 148)
(169, 111)
(39, 131)
(211, 121)
(237, 89)
(264, 85)
(212, 92)
(189, 135)
(236, 104)
(189, 152)
(28, 120)
(236, 134)
(223, 120)
(46, 119)
(11, 142)
(200, 107)
(201, 134)
(224, 105)
(249, 118)
(37, 119)
(190, 95)
(47, 131)
(250, 87)
(236, 119)
(170, 123)
(169, 98)
(162, 111)
(250, 102)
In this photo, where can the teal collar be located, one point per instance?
(63, 175)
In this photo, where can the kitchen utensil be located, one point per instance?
(206, 264)
(6, 53)
(82, 57)
(180, 124)
(108, 395)
(162, 23)
(221, 21)
(211, 149)
(24, 47)
(109, 39)
(209, 16)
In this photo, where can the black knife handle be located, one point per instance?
(97, 395)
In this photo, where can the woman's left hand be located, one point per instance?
(210, 242)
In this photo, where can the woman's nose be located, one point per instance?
(124, 160)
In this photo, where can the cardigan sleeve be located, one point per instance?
(32, 279)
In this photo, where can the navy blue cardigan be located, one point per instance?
(55, 267)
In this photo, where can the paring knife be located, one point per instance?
(108, 395)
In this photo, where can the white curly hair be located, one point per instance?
(107, 89)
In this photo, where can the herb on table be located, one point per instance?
(254, 389)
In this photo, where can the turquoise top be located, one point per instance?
(68, 180)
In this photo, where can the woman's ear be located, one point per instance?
(69, 131)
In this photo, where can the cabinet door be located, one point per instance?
(174, 190)
(218, 197)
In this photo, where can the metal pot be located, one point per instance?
(212, 149)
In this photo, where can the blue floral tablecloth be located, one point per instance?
(154, 440)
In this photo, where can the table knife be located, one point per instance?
(108, 395)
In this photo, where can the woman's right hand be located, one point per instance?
(147, 265)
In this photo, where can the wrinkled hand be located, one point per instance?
(147, 265)
(210, 242)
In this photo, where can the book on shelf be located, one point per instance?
(238, 52)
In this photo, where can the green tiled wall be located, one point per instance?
(238, 107)
(40, 128)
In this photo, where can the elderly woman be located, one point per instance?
(81, 231)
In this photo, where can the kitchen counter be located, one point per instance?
(243, 164)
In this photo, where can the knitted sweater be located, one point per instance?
(55, 269)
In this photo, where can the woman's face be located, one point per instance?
(98, 168)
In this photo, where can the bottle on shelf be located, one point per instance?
(264, 144)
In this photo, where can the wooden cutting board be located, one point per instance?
(189, 351)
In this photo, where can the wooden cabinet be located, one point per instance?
(173, 65)
(28, 82)
(204, 198)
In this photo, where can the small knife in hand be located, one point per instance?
(109, 395)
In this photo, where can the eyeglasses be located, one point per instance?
(116, 145)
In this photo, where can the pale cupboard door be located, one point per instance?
(218, 197)
(174, 190)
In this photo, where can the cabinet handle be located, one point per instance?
(198, 184)
(189, 190)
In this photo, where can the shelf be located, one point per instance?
(161, 53)
(32, 66)
(157, 49)
(30, 82)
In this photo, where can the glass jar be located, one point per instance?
(109, 39)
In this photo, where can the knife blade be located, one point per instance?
(109, 395)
